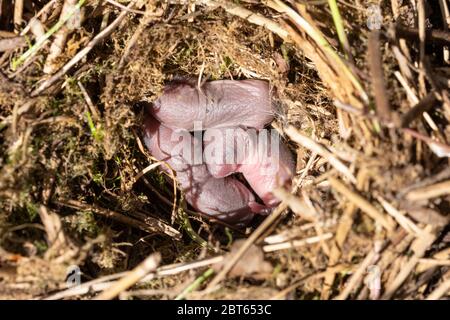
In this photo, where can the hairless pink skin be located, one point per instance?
(226, 198)
(264, 168)
(222, 103)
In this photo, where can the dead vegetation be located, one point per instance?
(362, 99)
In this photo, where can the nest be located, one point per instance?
(362, 101)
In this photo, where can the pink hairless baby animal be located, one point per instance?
(218, 104)
(226, 199)
(260, 156)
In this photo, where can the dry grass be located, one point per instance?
(370, 204)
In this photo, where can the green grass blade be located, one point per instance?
(194, 285)
(339, 24)
(33, 49)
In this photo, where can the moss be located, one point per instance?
(86, 224)
(41, 246)
(32, 210)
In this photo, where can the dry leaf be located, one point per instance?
(252, 263)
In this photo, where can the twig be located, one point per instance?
(433, 191)
(442, 175)
(6, 231)
(413, 99)
(349, 108)
(440, 291)
(439, 37)
(282, 294)
(305, 170)
(343, 229)
(355, 279)
(376, 71)
(147, 169)
(443, 254)
(297, 206)
(233, 259)
(18, 12)
(12, 43)
(411, 95)
(395, 6)
(44, 9)
(106, 281)
(424, 105)
(402, 60)
(60, 37)
(146, 293)
(148, 265)
(391, 257)
(40, 42)
(439, 148)
(310, 144)
(151, 224)
(362, 203)
(180, 267)
(420, 246)
(401, 219)
(105, 19)
(303, 209)
(38, 31)
(7, 34)
(321, 41)
(87, 98)
(296, 243)
(121, 6)
(422, 35)
(425, 264)
(53, 227)
(171, 174)
(294, 232)
(82, 53)
(248, 15)
(446, 19)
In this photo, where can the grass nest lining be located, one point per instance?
(366, 111)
